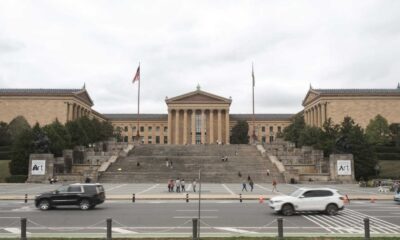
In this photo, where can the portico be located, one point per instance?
(198, 117)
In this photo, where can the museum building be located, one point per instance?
(199, 117)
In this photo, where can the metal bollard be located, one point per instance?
(23, 229)
(194, 221)
(280, 228)
(366, 229)
(109, 228)
(26, 198)
(240, 197)
(187, 197)
(133, 197)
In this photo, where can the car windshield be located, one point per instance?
(296, 193)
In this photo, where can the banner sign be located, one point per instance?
(38, 167)
(344, 167)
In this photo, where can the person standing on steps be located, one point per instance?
(268, 172)
(194, 183)
(244, 186)
(183, 185)
(170, 164)
(274, 184)
(178, 185)
(251, 183)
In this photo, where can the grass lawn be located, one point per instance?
(389, 168)
(4, 172)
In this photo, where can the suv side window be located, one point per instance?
(90, 189)
(323, 193)
(74, 189)
(63, 189)
(309, 194)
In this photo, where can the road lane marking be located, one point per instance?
(15, 230)
(121, 230)
(230, 229)
(268, 189)
(108, 190)
(191, 217)
(318, 224)
(148, 189)
(196, 210)
(228, 189)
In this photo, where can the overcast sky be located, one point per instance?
(329, 44)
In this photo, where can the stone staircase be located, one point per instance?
(187, 160)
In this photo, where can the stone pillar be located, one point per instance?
(312, 117)
(170, 126)
(219, 126)
(211, 126)
(203, 126)
(177, 126)
(185, 126)
(73, 112)
(161, 134)
(67, 119)
(306, 116)
(193, 128)
(323, 113)
(227, 126)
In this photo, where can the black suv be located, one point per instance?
(84, 195)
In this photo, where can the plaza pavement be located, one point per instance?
(209, 191)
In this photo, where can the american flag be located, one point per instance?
(137, 75)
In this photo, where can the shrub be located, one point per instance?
(16, 178)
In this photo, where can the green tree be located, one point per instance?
(5, 137)
(310, 136)
(354, 141)
(329, 134)
(59, 137)
(106, 131)
(292, 132)
(240, 133)
(377, 131)
(395, 133)
(21, 148)
(16, 126)
(77, 133)
(117, 134)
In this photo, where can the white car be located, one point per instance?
(397, 196)
(309, 199)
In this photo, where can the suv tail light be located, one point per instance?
(341, 198)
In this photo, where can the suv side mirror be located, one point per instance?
(55, 192)
(301, 196)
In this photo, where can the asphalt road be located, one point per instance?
(221, 218)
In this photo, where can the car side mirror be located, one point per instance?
(301, 196)
(55, 192)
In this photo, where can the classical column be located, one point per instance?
(177, 126)
(185, 126)
(67, 112)
(227, 126)
(146, 134)
(312, 116)
(306, 116)
(323, 107)
(321, 122)
(170, 126)
(203, 126)
(161, 134)
(193, 128)
(219, 126)
(211, 126)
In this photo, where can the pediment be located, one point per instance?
(198, 97)
(84, 96)
(311, 95)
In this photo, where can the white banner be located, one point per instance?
(38, 167)
(344, 167)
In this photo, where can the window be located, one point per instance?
(263, 139)
(149, 140)
(262, 129)
(126, 139)
(271, 139)
(142, 129)
(74, 189)
(142, 139)
(63, 189)
(279, 129)
(165, 139)
(165, 129)
(133, 138)
(310, 194)
(323, 193)
(157, 129)
(157, 139)
(126, 128)
(134, 129)
(150, 129)
(271, 129)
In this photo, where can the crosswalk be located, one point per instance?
(352, 222)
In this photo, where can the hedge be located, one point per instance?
(387, 149)
(388, 156)
(5, 155)
(16, 178)
(5, 148)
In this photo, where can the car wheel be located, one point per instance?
(331, 209)
(44, 205)
(84, 204)
(287, 210)
(92, 206)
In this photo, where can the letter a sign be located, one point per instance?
(344, 167)
(38, 167)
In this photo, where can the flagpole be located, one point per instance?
(254, 125)
(138, 109)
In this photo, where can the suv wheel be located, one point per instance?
(287, 210)
(84, 204)
(44, 205)
(331, 209)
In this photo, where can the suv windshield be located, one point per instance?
(296, 193)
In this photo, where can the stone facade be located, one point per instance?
(360, 104)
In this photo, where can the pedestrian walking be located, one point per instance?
(244, 187)
(167, 163)
(251, 183)
(268, 172)
(169, 185)
(172, 185)
(239, 174)
(194, 183)
(274, 184)
(170, 164)
(248, 178)
(183, 185)
(178, 185)
(396, 187)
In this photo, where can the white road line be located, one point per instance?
(190, 217)
(228, 189)
(320, 225)
(377, 224)
(195, 210)
(269, 189)
(121, 230)
(230, 229)
(385, 223)
(110, 189)
(148, 189)
(15, 230)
